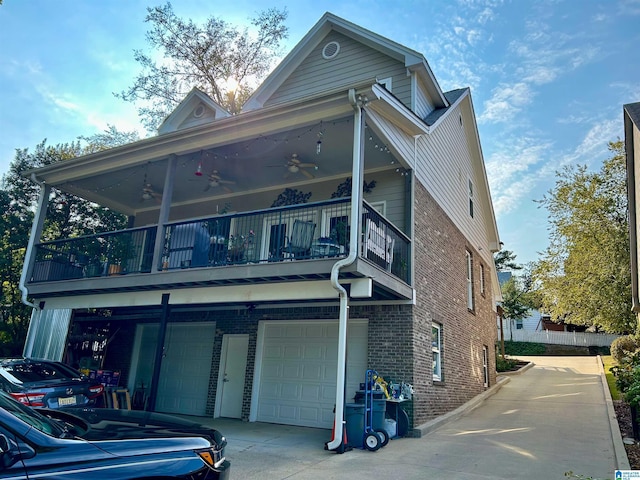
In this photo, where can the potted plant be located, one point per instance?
(119, 250)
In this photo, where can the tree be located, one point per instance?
(216, 57)
(505, 261)
(584, 273)
(68, 216)
(518, 294)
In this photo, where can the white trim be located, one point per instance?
(257, 373)
(332, 55)
(485, 365)
(469, 262)
(437, 349)
(380, 207)
(387, 83)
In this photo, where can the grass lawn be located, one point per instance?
(608, 362)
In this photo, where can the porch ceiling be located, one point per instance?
(234, 160)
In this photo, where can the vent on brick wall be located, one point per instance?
(330, 50)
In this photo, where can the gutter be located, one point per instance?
(357, 102)
(35, 228)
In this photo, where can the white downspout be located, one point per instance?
(36, 228)
(358, 102)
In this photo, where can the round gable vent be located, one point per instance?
(199, 111)
(330, 50)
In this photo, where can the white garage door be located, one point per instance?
(184, 375)
(298, 371)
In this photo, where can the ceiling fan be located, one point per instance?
(294, 165)
(148, 193)
(214, 180)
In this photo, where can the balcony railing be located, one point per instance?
(299, 232)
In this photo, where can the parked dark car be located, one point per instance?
(106, 444)
(43, 383)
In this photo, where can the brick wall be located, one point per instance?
(441, 297)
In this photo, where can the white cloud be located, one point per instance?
(506, 102)
(512, 172)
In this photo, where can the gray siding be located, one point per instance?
(423, 104)
(445, 166)
(354, 64)
(390, 188)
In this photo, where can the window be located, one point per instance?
(485, 365)
(436, 350)
(470, 198)
(482, 279)
(519, 325)
(470, 304)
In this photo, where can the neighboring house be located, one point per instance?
(531, 323)
(222, 304)
(631, 113)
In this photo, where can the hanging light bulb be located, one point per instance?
(318, 147)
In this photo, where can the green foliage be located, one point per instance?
(216, 57)
(584, 273)
(624, 347)
(505, 260)
(504, 364)
(67, 216)
(524, 348)
(608, 363)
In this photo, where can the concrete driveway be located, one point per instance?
(540, 424)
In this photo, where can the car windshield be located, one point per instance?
(30, 416)
(39, 371)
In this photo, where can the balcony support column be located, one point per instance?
(163, 217)
(36, 232)
(157, 364)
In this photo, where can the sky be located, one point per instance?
(548, 78)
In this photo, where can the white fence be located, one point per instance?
(560, 338)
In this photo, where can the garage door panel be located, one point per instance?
(314, 352)
(272, 351)
(312, 372)
(292, 352)
(298, 371)
(291, 371)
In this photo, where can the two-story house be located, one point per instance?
(257, 280)
(631, 118)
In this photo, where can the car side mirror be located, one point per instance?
(10, 453)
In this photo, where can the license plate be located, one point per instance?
(66, 401)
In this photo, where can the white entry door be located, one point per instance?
(232, 375)
(298, 369)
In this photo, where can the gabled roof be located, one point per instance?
(413, 60)
(196, 108)
(633, 111)
(452, 97)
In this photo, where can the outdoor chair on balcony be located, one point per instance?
(299, 242)
(189, 246)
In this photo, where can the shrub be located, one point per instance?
(524, 348)
(624, 347)
(504, 364)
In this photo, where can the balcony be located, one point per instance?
(277, 244)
